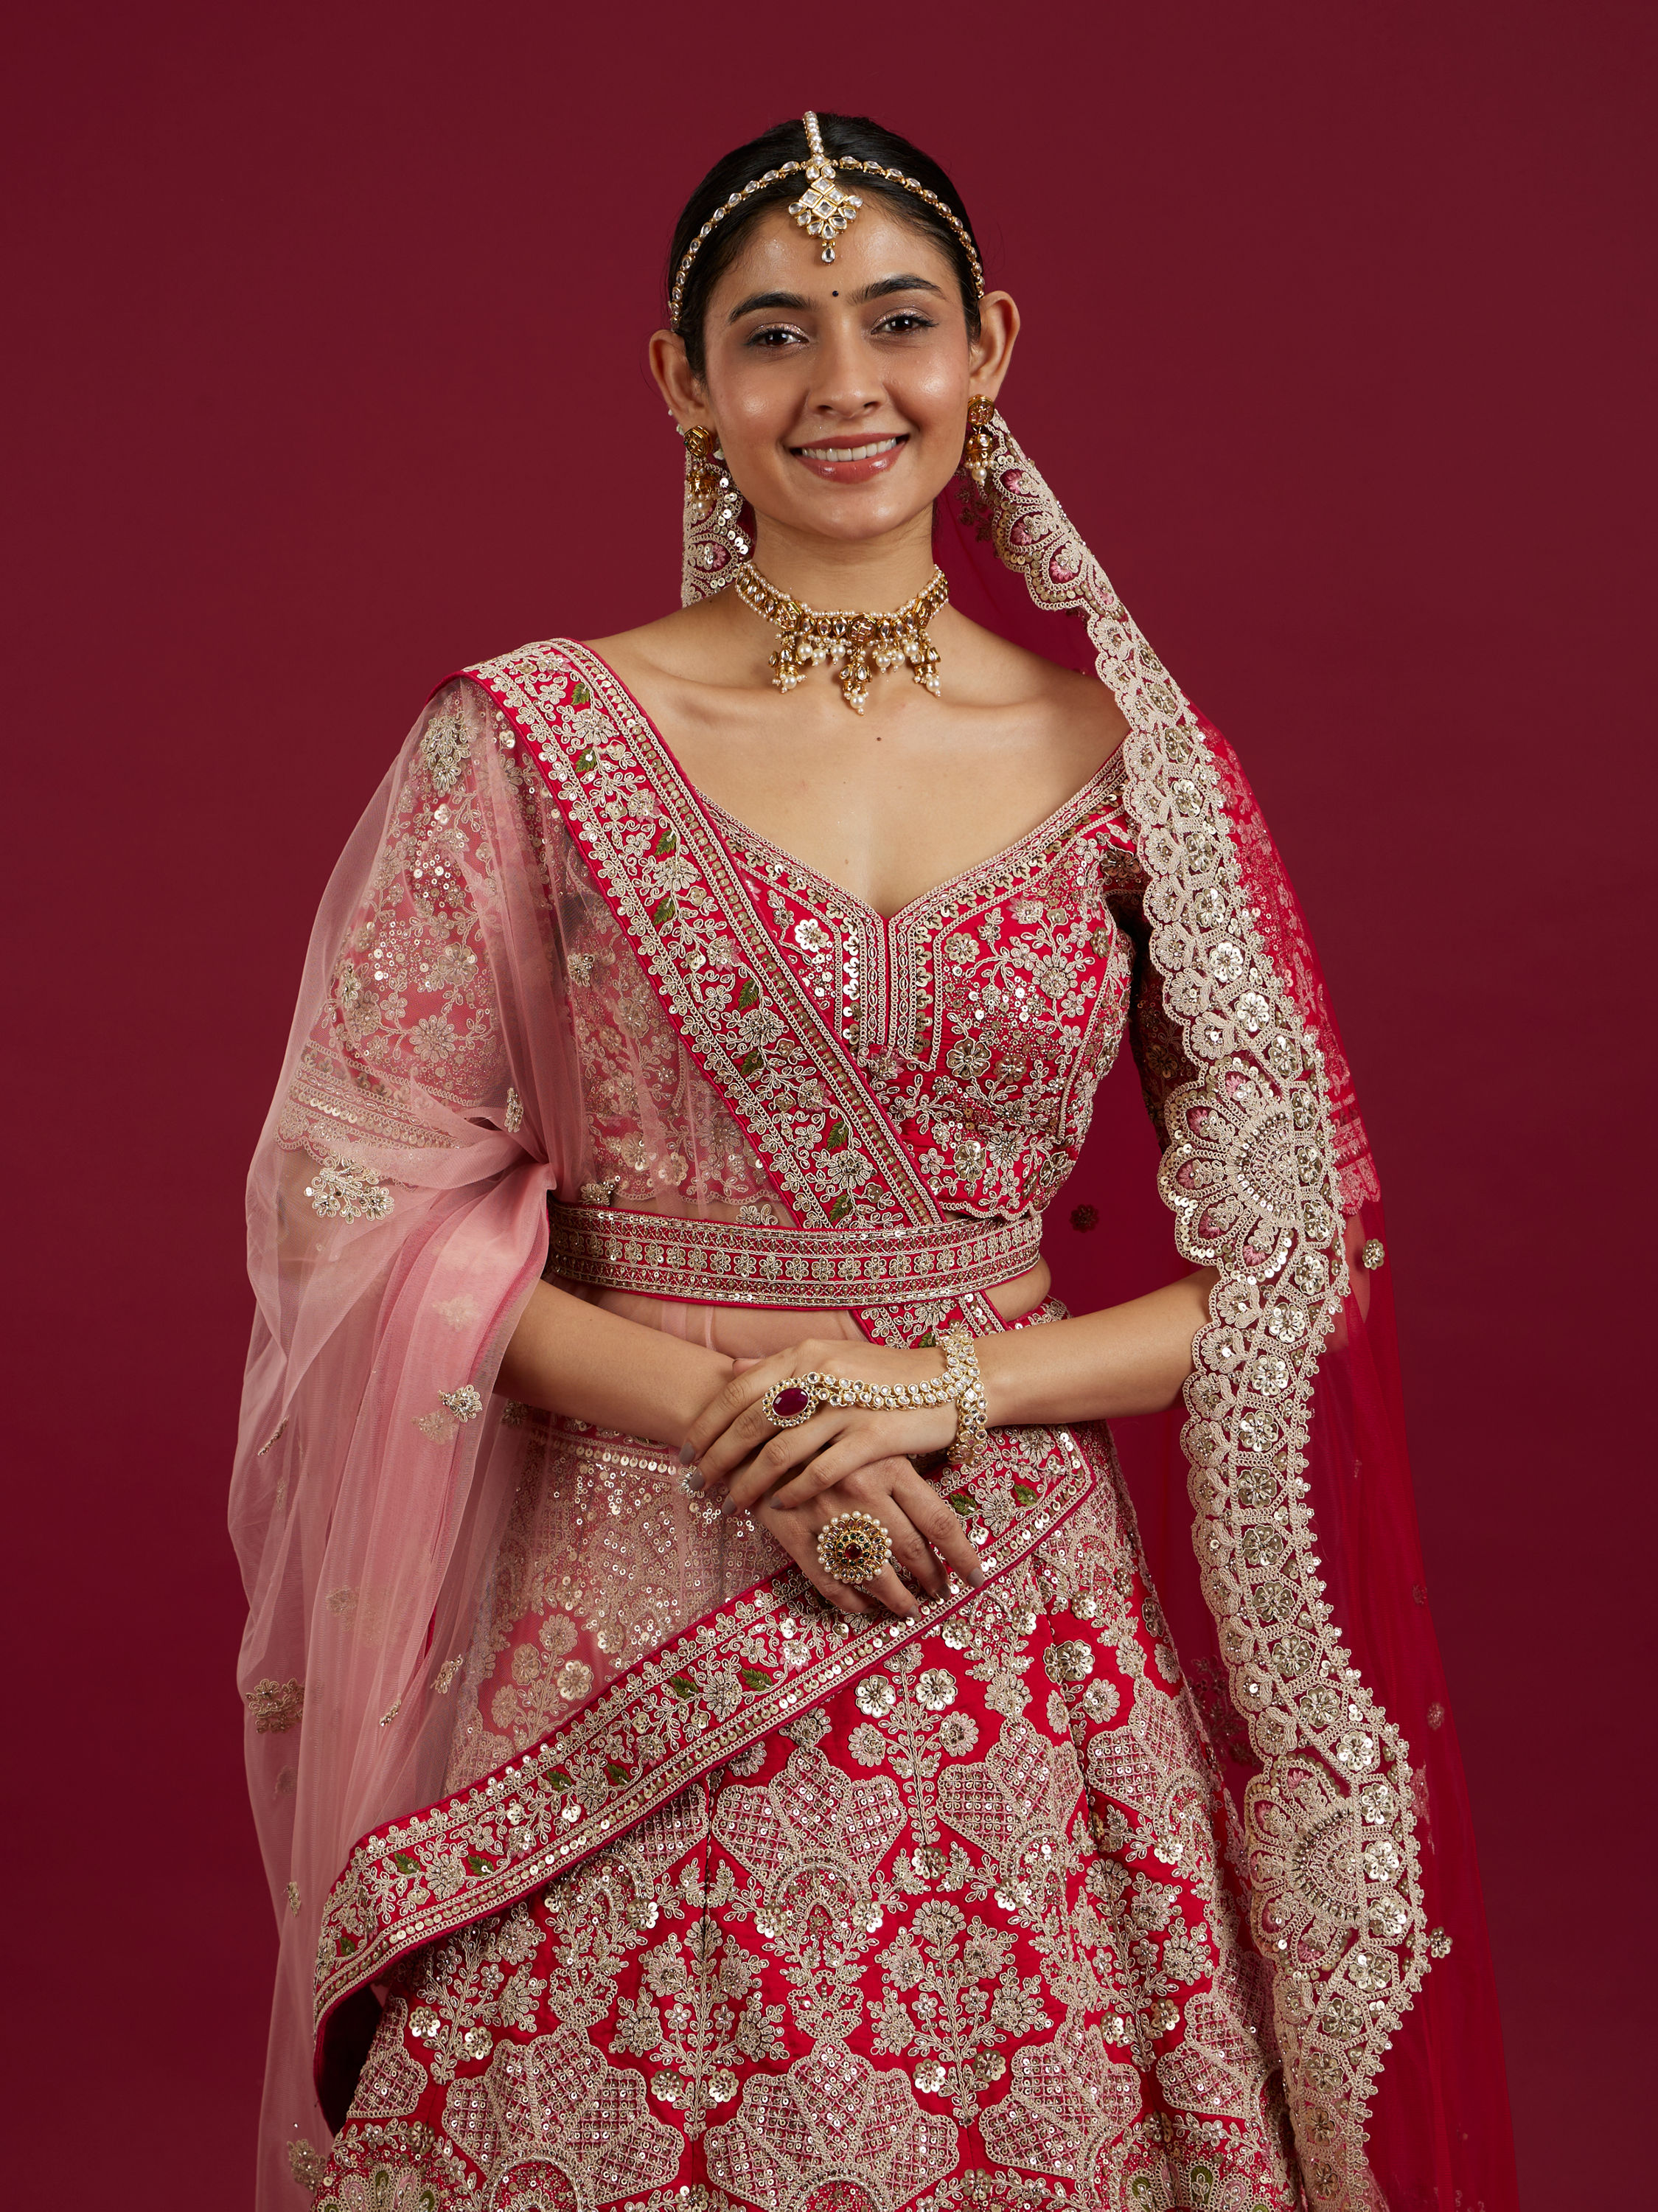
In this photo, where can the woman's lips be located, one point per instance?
(850, 460)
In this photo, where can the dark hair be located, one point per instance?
(852, 135)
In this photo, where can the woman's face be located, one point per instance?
(840, 389)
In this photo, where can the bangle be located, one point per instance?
(968, 1391)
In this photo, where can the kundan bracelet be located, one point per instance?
(792, 1403)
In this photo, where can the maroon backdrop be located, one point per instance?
(325, 329)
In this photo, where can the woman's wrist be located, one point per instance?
(701, 1382)
(999, 1360)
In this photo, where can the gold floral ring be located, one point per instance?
(853, 1547)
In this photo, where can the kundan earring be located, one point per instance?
(713, 538)
(979, 451)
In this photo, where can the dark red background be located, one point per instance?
(325, 328)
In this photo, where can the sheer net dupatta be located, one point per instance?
(397, 1222)
(1307, 1604)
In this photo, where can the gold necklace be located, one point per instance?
(868, 645)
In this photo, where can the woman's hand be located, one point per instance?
(927, 1538)
(742, 1457)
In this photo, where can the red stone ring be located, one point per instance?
(793, 1400)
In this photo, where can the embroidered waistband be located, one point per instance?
(733, 1263)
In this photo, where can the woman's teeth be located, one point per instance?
(847, 452)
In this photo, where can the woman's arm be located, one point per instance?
(574, 1358)
(1129, 1358)
(577, 1359)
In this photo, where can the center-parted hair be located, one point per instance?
(852, 136)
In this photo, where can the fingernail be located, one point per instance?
(724, 1505)
(977, 1578)
(686, 1454)
(696, 1479)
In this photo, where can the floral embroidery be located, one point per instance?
(274, 1707)
(832, 2113)
(983, 1017)
(304, 2164)
(410, 1013)
(668, 1719)
(341, 1190)
(1015, 1984)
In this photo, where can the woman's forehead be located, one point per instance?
(774, 254)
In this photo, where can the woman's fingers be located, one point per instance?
(733, 1422)
(801, 1544)
(863, 1441)
(744, 1478)
(798, 1531)
(913, 1554)
(893, 1595)
(927, 1538)
(938, 1520)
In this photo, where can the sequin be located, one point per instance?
(1069, 1661)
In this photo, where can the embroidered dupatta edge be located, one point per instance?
(1253, 1175)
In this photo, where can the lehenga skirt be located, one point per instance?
(968, 1932)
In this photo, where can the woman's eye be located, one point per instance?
(775, 336)
(905, 321)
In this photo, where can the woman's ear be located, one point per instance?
(992, 349)
(675, 380)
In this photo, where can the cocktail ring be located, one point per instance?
(792, 1400)
(853, 1547)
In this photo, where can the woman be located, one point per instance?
(714, 1735)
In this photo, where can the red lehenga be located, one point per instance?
(616, 1869)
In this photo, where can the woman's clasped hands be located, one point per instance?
(840, 1459)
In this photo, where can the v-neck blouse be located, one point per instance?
(981, 1016)
(984, 1013)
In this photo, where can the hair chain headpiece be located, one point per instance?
(823, 210)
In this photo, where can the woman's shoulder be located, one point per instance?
(996, 672)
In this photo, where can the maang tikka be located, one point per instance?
(823, 210)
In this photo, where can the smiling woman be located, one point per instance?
(741, 1757)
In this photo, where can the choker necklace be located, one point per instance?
(867, 645)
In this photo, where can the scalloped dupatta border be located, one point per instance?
(1251, 1175)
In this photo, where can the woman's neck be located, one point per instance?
(868, 576)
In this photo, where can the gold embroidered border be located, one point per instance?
(736, 1675)
(672, 886)
(732, 1263)
(1251, 1177)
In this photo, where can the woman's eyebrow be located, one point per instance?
(879, 290)
(797, 303)
(757, 299)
